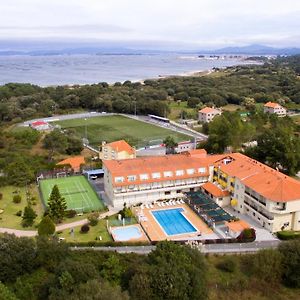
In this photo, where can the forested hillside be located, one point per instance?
(45, 269)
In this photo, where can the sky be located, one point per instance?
(185, 24)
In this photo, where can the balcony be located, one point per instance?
(258, 211)
(256, 199)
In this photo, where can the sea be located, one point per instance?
(53, 70)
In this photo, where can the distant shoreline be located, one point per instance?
(74, 71)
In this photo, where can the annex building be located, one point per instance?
(274, 108)
(248, 186)
(116, 150)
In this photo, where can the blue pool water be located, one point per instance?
(126, 233)
(173, 221)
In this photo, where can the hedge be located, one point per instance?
(288, 235)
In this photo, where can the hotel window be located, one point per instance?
(168, 174)
(119, 179)
(202, 170)
(179, 172)
(155, 175)
(131, 178)
(190, 171)
(144, 176)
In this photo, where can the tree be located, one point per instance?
(46, 226)
(19, 172)
(94, 289)
(55, 142)
(57, 205)
(29, 215)
(279, 148)
(266, 265)
(17, 256)
(290, 252)
(112, 269)
(174, 272)
(5, 293)
(170, 144)
(50, 252)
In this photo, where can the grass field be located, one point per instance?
(177, 107)
(76, 190)
(112, 128)
(8, 217)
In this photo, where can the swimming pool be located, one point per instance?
(173, 221)
(126, 233)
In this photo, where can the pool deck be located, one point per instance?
(143, 238)
(155, 231)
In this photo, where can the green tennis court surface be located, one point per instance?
(76, 190)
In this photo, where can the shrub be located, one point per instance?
(71, 213)
(17, 198)
(85, 228)
(288, 235)
(247, 235)
(228, 264)
(93, 218)
(19, 213)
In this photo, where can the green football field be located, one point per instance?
(113, 128)
(76, 190)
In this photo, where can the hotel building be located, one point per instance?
(249, 187)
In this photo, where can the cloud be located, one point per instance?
(198, 22)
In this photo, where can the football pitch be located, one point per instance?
(113, 128)
(76, 190)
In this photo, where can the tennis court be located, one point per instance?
(76, 190)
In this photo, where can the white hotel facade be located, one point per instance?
(266, 195)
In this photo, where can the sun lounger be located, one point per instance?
(163, 204)
(146, 205)
(159, 204)
(151, 206)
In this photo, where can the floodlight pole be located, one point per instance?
(85, 129)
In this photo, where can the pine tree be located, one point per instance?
(57, 205)
(29, 216)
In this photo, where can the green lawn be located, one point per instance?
(8, 217)
(296, 119)
(76, 190)
(112, 128)
(177, 107)
(94, 232)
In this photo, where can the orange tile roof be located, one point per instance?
(157, 164)
(214, 190)
(266, 181)
(237, 226)
(200, 153)
(208, 110)
(74, 162)
(120, 146)
(272, 104)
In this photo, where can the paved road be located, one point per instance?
(211, 249)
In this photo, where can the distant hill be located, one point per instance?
(106, 49)
(257, 50)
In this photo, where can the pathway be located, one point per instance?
(30, 233)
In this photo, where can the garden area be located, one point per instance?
(13, 201)
(93, 231)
